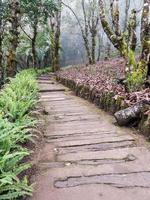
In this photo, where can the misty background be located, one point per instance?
(72, 45)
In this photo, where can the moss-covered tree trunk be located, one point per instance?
(34, 63)
(87, 47)
(85, 33)
(3, 22)
(52, 47)
(2, 69)
(93, 47)
(1, 53)
(99, 47)
(115, 14)
(145, 35)
(127, 7)
(55, 24)
(14, 37)
(135, 72)
(93, 20)
(117, 41)
(1, 37)
(33, 45)
(57, 38)
(93, 24)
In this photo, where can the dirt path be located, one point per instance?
(86, 156)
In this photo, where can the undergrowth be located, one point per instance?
(43, 71)
(17, 98)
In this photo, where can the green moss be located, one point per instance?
(79, 89)
(85, 92)
(102, 101)
(119, 101)
(137, 77)
(144, 125)
(108, 99)
(113, 108)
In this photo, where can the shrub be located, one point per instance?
(44, 71)
(136, 79)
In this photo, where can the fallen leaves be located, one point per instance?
(103, 77)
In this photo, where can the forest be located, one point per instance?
(100, 50)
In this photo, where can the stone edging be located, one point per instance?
(105, 101)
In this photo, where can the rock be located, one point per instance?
(129, 115)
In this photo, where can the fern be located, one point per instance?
(16, 101)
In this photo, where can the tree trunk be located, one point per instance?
(132, 39)
(1, 54)
(93, 47)
(126, 45)
(14, 41)
(86, 43)
(99, 49)
(55, 23)
(57, 39)
(34, 63)
(28, 61)
(1, 40)
(115, 16)
(117, 38)
(145, 35)
(118, 42)
(52, 52)
(85, 33)
(127, 6)
(2, 68)
(33, 44)
(100, 46)
(108, 50)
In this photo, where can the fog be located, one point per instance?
(72, 45)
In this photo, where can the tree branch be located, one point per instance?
(25, 33)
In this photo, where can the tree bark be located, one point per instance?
(127, 45)
(115, 16)
(1, 33)
(86, 33)
(108, 50)
(14, 41)
(92, 22)
(55, 23)
(118, 42)
(93, 48)
(86, 43)
(33, 44)
(145, 35)
(57, 38)
(1, 40)
(99, 49)
(117, 38)
(132, 38)
(127, 6)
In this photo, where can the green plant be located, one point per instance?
(44, 71)
(17, 98)
(136, 78)
(21, 95)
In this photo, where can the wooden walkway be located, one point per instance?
(86, 156)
